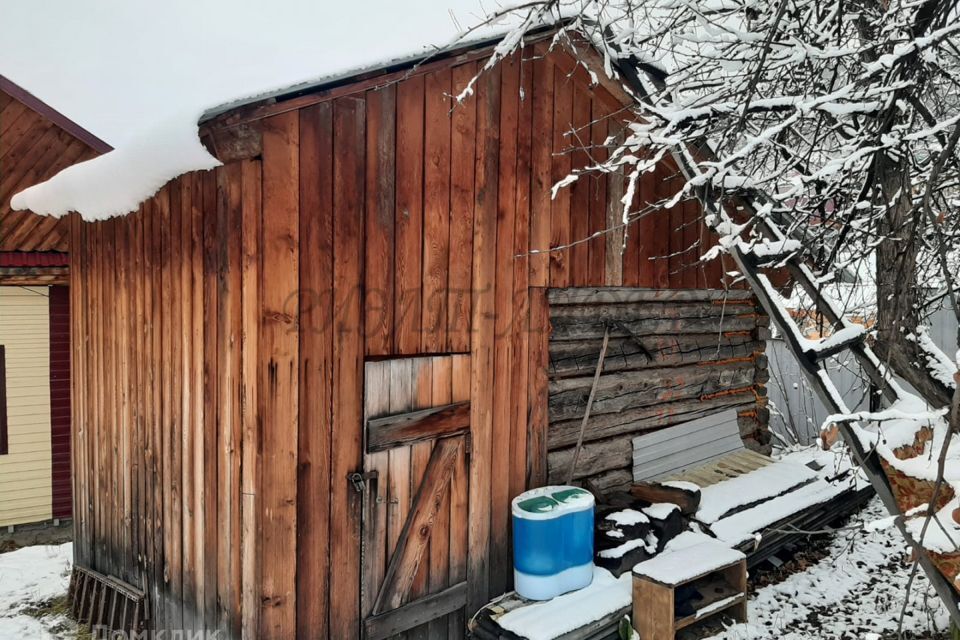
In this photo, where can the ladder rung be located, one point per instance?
(851, 335)
(772, 252)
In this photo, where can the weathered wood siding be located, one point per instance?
(673, 356)
(223, 329)
(25, 471)
(35, 144)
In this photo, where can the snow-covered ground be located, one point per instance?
(855, 593)
(30, 578)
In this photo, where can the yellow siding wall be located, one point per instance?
(25, 493)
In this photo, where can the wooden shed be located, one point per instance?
(35, 143)
(307, 384)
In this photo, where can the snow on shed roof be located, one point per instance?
(143, 75)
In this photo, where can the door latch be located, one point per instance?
(359, 480)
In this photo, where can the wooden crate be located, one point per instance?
(723, 589)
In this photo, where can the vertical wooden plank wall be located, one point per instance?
(162, 352)
(221, 332)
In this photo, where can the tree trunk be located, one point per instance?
(897, 286)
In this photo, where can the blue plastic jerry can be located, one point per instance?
(552, 541)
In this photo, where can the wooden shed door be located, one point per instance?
(415, 487)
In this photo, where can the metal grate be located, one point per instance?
(108, 607)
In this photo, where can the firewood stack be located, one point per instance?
(633, 527)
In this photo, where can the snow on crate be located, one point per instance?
(677, 565)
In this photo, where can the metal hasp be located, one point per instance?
(359, 480)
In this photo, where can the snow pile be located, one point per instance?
(157, 68)
(856, 591)
(563, 614)
(29, 577)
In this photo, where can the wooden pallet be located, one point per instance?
(729, 466)
(108, 607)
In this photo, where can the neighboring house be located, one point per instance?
(35, 482)
(308, 383)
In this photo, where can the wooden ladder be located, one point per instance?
(106, 606)
(778, 251)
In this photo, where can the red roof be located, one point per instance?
(34, 259)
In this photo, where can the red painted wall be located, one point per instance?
(60, 401)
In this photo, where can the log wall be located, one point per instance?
(673, 356)
(222, 329)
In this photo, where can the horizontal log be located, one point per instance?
(579, 358)
(688, 501)
(575, 313)
(623, 391)
(605, 295)
(427, 424)
(592, 329)
(595, 458)
(611, 481)
(634, 422)
(612, 383)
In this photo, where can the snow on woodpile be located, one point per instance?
(143, 74)
(756, 486)
(648, 544)
(563, 614)
(660, 510)
(744, 524)
(740, 508)
(627, 517)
